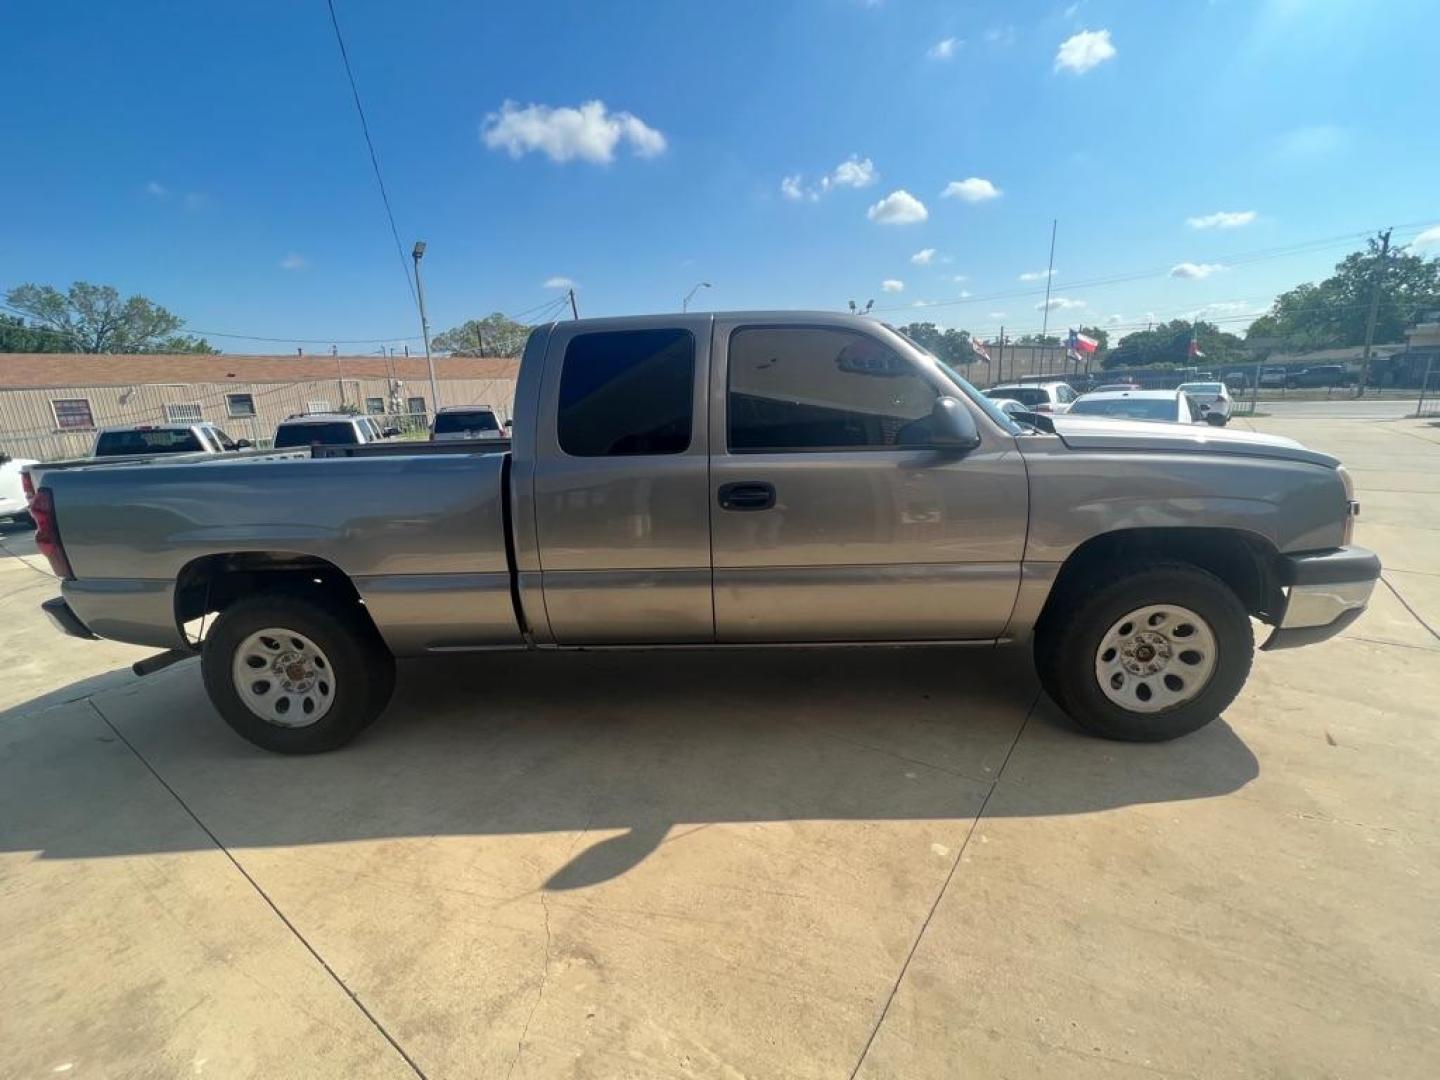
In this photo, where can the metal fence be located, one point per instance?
(1428, 401)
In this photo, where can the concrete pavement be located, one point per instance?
(807, 864)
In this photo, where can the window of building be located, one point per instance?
(415, 406)
(813, 388)
(317, 406)
(73, 414)
(240, 405)
(374, 405)
(181, 412)
(627, 392)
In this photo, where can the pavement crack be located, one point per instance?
(334, 976)
(540, 994)
(1406, 605)
(944, 885)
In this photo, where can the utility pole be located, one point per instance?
(1374, 311)
(574, 311)
(417, 255)
(1000, 364)
(1049, 277)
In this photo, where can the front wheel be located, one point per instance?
(1152, 655)
(292, 676)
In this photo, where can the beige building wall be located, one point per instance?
(29, 427)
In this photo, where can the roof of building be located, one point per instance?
(1351, 353)
(70, 369)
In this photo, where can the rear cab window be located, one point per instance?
(148, 441)
(627, 392)
(467, 420)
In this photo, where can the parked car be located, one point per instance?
(1169, 406)
(13, 500)
(722, 478)
(1237, 380)
(1322, 375)
(1010, 406)
(1272, 377)
(1041, 397)
(1213, 397)
(466, 422)
(1107, 388)
(336, 429)
(141, 443)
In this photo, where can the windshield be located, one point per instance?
(1201, 387)
(158, 441)
(448, 423)
(340, 433)
(1126, 408)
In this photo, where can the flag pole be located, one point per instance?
(1049, 276)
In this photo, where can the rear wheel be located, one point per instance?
(1154, 654)
(293, 676)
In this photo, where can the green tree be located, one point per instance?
(1169, 344)
(494, 335)
(17, 336)
(1036, 339)
(1333, 313)
(94, 319)
(952, 346)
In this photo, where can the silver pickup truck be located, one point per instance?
(740, 479)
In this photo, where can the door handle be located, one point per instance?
(747, 495)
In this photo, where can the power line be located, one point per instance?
(374, 160)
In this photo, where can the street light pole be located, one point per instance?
(685, 304)
(417, 255)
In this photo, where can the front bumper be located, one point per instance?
(65, 620)
(1325, 593)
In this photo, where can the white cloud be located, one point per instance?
(1114, 320)
(853, 172)
(892, 285)
(964, 294)
(294, 261)
(1429, 238)
(943, 49)
(1194, 271)
(972, 190)
(559, 282)
(1072, 11)
(1083, 51)
(997, 314)
(1037, 275)
(898, 208)
(1060, 303)
(1223, 219)
(1311, 140)
(590, 132)
(159, 190)
(1000, 35)
(958, 278)
(923, 257)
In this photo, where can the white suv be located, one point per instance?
(1046, 397)
(328, 429)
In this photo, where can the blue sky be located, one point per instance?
(208, 155)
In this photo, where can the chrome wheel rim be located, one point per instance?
(1157, 657)
(284, 678)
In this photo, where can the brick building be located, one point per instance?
(51, 404)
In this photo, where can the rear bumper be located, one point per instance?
(65, 620)
(1325, 593)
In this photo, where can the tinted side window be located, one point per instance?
(811, 388)
(336, 434)
(627, 392)
(158, 441)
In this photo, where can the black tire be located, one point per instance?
(363, 671)
(1070, 636)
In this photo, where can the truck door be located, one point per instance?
(832, 520)
(621, 503)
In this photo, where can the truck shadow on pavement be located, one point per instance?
(651, 744)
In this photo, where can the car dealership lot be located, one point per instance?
(807, 863)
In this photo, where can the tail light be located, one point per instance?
(47, 533)
(27, 484)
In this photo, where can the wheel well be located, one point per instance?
(1243, 560)
(210, 584)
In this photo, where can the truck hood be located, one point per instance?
(1103, 433)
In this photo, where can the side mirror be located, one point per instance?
(243, 444)
(510, 423)
(952, 426)
(1215, 419)
(390, 432)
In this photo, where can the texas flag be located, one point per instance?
(978, 348)
(1079, 343)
